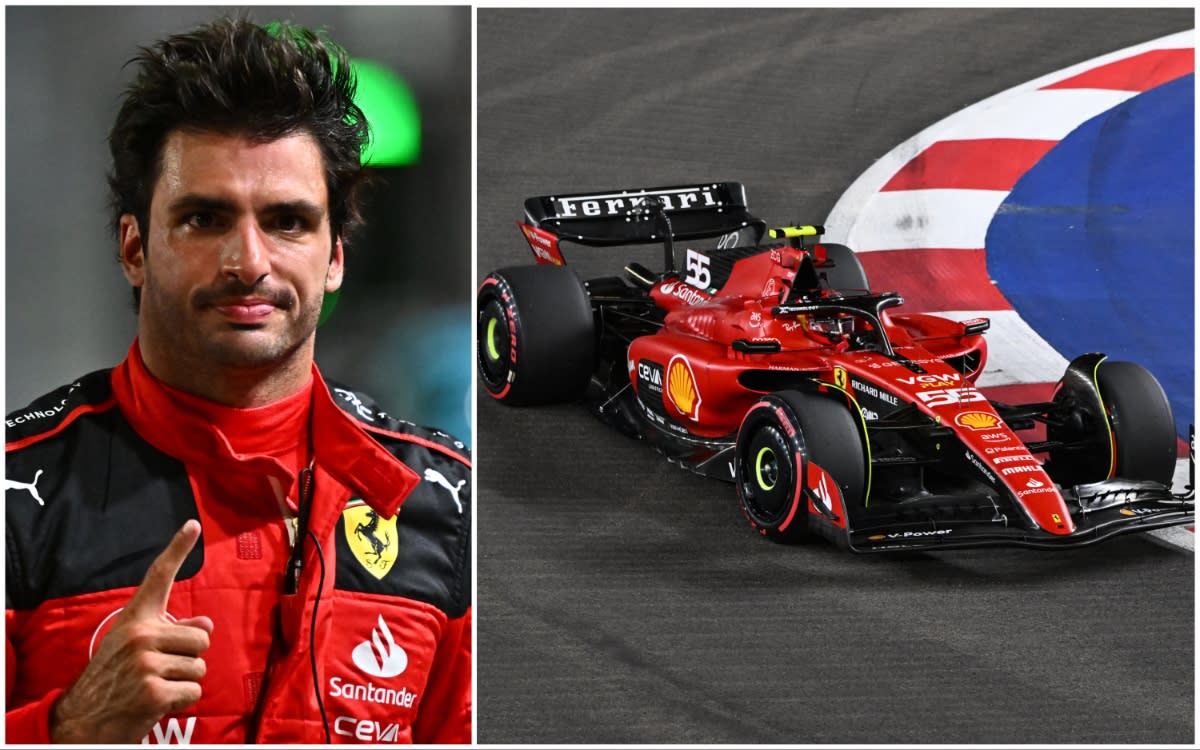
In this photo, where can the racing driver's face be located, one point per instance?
(236, 259)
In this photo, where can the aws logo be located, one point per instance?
(372, 539)
(682, 389)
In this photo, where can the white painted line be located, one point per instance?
(920, 219)
(1035, 114)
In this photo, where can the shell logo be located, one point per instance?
(977, 420)
(681, 387)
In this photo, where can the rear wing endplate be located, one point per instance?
(623, 217)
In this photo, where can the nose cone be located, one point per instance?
(1036, 493)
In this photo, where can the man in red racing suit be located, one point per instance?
(114, 463)
(209, 543)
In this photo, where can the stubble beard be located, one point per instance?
(191, 339)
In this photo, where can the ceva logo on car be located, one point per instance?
(651, 375)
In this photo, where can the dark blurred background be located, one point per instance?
(401, 329)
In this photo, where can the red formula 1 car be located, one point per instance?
(774, 367)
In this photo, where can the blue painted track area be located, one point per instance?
(1095, 246)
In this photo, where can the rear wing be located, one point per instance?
(636, 216)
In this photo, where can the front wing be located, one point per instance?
(1100, 511)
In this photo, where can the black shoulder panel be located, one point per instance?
(57, 407)
(363, 408)
(89, 507)
(432, 533)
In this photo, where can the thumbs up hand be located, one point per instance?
(146, 665)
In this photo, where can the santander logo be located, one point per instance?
(381, 656)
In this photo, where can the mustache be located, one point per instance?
(233, 289)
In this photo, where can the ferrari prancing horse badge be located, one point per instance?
(372, 539)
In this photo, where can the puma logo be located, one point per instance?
(435, 476)
(12, 484)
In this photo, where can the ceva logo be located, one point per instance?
(381, 656)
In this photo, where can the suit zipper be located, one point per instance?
(291, 582)
(297, 528)
(285, 513)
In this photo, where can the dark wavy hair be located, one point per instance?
(234, 76)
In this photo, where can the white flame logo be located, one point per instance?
(377, 658)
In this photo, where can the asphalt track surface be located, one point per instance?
(622, 600)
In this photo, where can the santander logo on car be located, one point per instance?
(685, 292)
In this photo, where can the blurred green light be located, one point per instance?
(392, 112)
(328, 304)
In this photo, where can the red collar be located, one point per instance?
(197, 431)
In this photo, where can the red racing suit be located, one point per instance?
(369, 641)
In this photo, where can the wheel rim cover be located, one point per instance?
(766, 468)
(492, 352)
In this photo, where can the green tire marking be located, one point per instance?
(492, 351)
(758, 469)
(1112, 453)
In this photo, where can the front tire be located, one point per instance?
(535, 335)
(778, 437)
(1133, 439)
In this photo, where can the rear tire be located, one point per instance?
(778, 436)
(535, 335)
(847, 274)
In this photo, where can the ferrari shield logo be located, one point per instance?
(839, 377)
(372, 539)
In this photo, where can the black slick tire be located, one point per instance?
(1133, 439)
(778, 438)
(535, 335)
